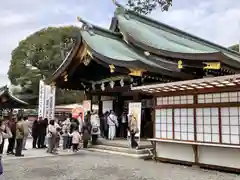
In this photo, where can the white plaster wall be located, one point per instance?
(219, 156)
(175, 151)
(107, 106)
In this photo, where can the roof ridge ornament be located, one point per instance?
(121, 9)
(86, 26)
(117, 3)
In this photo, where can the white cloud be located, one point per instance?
(215, 20)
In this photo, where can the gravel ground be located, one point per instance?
(100, 166)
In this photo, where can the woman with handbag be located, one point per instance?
(51, 135)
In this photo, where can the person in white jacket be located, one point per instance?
(51, 135)
(76, 139)
(112, 124)
(26, 127)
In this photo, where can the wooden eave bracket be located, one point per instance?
(136, 72)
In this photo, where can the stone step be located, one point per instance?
(123, 149)
(140, 156)
(123, 144)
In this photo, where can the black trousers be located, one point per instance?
(94, 139)
(11, 144)
(74, 147)
(69, 144)
(41, 140)
(123, 130)
(85, 143)
(134, 143)
(19, 147)
(35, 140)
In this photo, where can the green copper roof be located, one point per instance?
(113, 48)
(158, 38)
(110, 47)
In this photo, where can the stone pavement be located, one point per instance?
(100, 166)
(32, 153)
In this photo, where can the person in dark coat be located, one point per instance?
(12, 124)
(42, 132)
(86, 129)
(106, 114)
(35, 133)
(101, 116)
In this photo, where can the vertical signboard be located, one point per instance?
(135, 109)
(47, 96)
(52, 102)
(46, 106)
(41, 99)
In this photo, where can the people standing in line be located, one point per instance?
(123, 125)
(76, 139)
(65, 135)
(69, 140)
(19, 136)
(35, 133)
(66, 131)
(26, 126)
(58, 135)
(45, 133)
(95, 130)
(51, 135)
(133, 129)
(73, 125)
(3, 136)
(86, 130)
(42, 132)
(112, 124)
(101, 118)
(12, 124)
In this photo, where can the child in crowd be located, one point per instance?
(76, 139)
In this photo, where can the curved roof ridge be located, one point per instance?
(174, 30)
(5, 89)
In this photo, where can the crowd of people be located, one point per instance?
(72, 131)
(19, 127)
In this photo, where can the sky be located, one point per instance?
(214, 20)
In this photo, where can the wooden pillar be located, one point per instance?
(136, 97)
(100, 105)
(195, 147)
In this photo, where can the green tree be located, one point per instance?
(38, 56)
(147, 6)
(235, 47)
